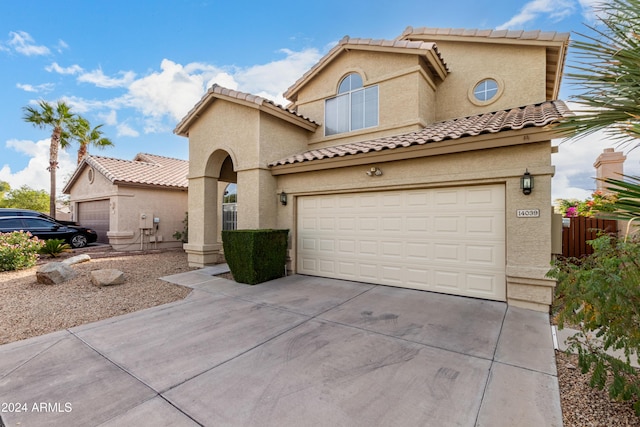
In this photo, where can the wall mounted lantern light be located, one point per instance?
(374, 172)
(283, 198)
(526, 183)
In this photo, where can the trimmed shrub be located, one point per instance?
(18, 250)
(255, 256)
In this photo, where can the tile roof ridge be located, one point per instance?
(486, 33)
(259, 100)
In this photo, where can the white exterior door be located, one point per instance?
(449, 240)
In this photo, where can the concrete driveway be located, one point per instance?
(297, 351)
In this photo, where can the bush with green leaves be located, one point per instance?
(255, 256)
(18, 250)
(54, 247)
(601, 295)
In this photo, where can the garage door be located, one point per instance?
(95, 215)
(449, 240)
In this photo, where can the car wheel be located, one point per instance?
(78, 241)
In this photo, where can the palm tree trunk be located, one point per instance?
(82, 152)
(53, 165)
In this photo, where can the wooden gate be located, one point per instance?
(582, 229)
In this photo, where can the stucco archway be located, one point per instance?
(205, 206)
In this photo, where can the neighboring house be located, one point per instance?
(398, 162)
(132, 204)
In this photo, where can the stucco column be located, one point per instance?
(203, 247)
(257, 199)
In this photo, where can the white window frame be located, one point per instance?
(342, 123)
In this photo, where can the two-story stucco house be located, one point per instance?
(397, 162)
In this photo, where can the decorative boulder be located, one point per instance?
(54, 273)
(107, 277)
(77, 259)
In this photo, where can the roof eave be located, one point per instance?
(75, 176)
(431, 55)
(182, 129)
(450, 146)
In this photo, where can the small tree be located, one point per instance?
(26, 198)
(601, 293)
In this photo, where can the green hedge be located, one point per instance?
(255, 256)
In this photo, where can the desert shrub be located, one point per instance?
(18, 250)
(601, 295)
(54, 247)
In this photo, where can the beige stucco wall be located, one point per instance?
(125, 206)
(126, 223)
(252, 138)
(520, 70)
(406, 100)
(528, 240)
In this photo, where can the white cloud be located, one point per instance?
(272, 79)
(591, 9)
(110, 118)
(575, 173)
(165, 96)
(98, 78)
(62, 45)
(23, 43)
(126, 130)
(35, 174)
(554, 9)
(43, 88)
(54, 67)
(173, 91)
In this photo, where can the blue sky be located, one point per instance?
(139, 66)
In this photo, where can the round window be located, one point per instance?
(486, 90)
(90, 175)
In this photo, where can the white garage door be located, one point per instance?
(449, 240)
(95, 215)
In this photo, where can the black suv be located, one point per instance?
(44, 229)
(27, 212)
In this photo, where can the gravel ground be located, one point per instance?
(29, 309)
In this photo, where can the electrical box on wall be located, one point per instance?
(156, 220)
(145, 221)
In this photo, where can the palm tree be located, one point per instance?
(607, 71)
(82, 132)
(59, 118)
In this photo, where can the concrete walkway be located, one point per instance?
(297, 351)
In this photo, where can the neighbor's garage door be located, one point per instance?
(95, 215)
(449, 240)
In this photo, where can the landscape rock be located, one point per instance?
(77, 259)
(107, 277)
(54, 273)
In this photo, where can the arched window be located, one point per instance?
(355, 107)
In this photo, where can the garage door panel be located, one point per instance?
(446, 240)
(95, 215)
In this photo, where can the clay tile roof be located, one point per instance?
(144, 169)
(243, 96)
(495, 34)
(537, 115)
